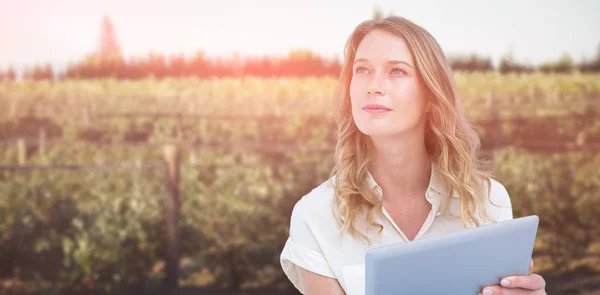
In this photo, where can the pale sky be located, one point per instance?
(58, 31)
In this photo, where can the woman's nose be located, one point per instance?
(374, 90)
(375, 85)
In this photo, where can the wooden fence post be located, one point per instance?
(42, 145)
(193, 157)
(172, 207)
(21, 152)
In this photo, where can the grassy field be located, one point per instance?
(82, 183)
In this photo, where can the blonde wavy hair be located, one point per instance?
(450, 139)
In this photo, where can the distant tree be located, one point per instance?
(377, 14)
(157, 64)
(470, 63)
(563, 65)
(39, 72)
(8, 75)
(177, 66)
(591, 65)
(11, 74)
(4, 76)
(303, 63)
(199, 65)
(106, 61)
(508, 64)
(108, 47)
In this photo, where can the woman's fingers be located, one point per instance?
(531, 266)
(530, 282)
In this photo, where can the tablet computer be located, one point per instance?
(457, 263)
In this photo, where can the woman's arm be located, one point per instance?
(316, 284)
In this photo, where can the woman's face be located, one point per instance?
(386, 94)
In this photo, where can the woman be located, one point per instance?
(406, 165)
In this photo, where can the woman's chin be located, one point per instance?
(376, 132)
(386, 132)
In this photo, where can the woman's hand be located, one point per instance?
(532, 284)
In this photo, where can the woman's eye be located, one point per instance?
(398, 71)
(361, 70)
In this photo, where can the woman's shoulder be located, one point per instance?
(498, 192)
(497, 201)
(316, 204)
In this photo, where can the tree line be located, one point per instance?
(299, 63)
(108, 61)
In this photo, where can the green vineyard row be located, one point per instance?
(70, 226)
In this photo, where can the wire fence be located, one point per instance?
(171, 163)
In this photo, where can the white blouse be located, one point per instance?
(316, 245)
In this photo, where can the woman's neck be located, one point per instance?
(402, 167)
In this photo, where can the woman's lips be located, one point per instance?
(375, 109)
